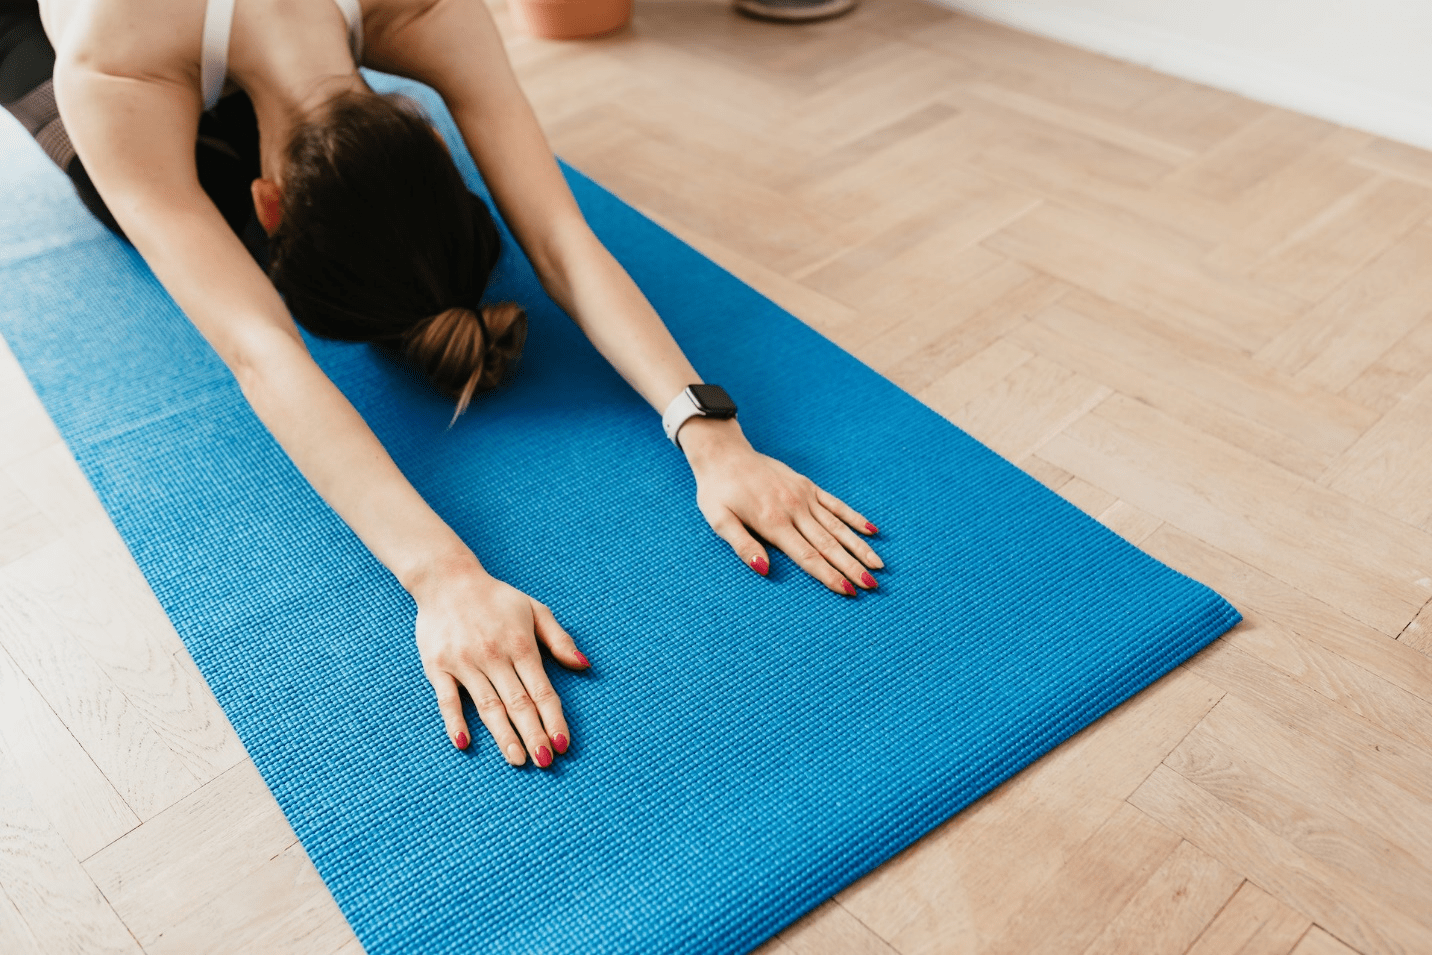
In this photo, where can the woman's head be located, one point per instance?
(377, 239)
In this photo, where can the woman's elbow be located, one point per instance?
(259, 356)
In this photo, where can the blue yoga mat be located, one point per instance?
(742, 748)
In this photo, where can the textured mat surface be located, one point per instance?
(743, 747)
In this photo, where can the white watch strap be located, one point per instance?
(682, 408)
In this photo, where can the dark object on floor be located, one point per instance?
(794, 11)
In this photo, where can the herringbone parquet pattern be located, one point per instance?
(1205, 321)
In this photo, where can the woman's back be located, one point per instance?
(269, 41)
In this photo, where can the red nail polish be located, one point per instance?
(870, 527)
(867, 580)
(848, 587)
(544, 757)
(560, 742)
(760, 565)
(461, 741)
(582, 659)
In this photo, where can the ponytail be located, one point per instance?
(462, 352)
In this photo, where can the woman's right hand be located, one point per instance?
(478, 633)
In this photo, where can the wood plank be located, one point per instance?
(107, 724)
(1281, 204)
(1387, 468)
(959, 886)
(897, 275)
(79, 802)
(15, 936)
(1108, 131)
(1399, 370)
(1294, 808)
(59, 905)
(24, 427)
(823, 163)
(1169, 911)
(1319, 942)
(192, 853)
(1027, 407)
(1318, 257)
(831, 930)
(279, 907)
(1218, 390)
(1194, 116)
(859, 103)
(1097, 882)
(1397, 159)
(14, 505)
(1272, 603)
(1088, 498)
(1252, 510)
(1045, 473)
(754, 220)
(104, 607)
(1258, 150)
(839, 322)
(1418, 633)
(1326, 783)
(1252, 923)
(1337, 341)
(1374, 749)
(1300, 881)
(919, 350)
(958, 386)
(1131, 523)
(1054, 71)
(25, 536)
(1119, 264)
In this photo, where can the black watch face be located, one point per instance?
(713, 401)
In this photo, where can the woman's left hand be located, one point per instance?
(740, 491)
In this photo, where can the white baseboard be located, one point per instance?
(1373, 110)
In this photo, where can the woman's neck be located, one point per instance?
(291, 59)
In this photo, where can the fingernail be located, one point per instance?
(760, 565)
(560, 742)
(870, 527)
(461, 741)
(514, 754)
(544, 757)
(867, 580)
(582, 659)
(848, 587)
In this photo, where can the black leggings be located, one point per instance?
(227, 152)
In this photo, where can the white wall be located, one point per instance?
(1361, 63)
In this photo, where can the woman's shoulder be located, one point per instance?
(148, 39)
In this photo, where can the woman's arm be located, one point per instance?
(136, 139)
(453, 46)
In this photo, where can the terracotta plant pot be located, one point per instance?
(570, 19)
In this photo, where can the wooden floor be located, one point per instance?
(1205, 321)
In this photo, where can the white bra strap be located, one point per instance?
(353, 15)
(214, 56)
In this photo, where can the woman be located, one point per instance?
(373, 237)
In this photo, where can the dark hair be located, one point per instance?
(380, 241)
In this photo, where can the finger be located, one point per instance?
(549, 704)
(845, 512)
(494, 716)
(522, 711)
(450, 706)
(557, 640)
(833, 551)
(850, 540)
(809, 559)
(730, 529)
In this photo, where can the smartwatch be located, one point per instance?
(696, 401)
